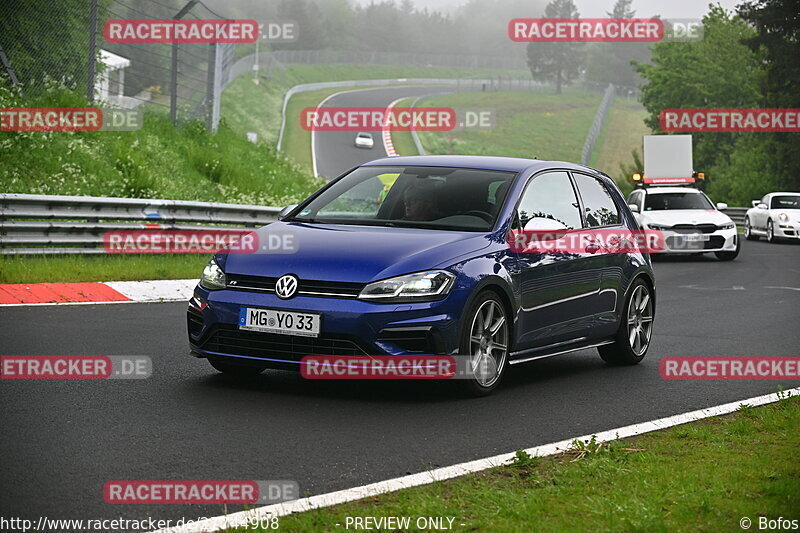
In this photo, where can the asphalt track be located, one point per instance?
(62, 440)
(335, 151)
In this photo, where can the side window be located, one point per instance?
(635, 198)
(765, 200)
(549, 202)
(600, 207)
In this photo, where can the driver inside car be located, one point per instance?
(420, 201)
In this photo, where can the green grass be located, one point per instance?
(622, 133)
(158, 161)
(249, 107)
(703, 476)
(402, 140)
(75, 268)
(527, 124)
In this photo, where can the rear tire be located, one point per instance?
(232, 369)
(730, 256)
(485, 340)
(635, 329)
(748, 230)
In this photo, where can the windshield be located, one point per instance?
(785, 202)
(676, 200)
(423, 197)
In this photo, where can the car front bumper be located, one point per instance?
(787, 230)
(349, 327)
(725, 240)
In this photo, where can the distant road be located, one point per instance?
(335, 151)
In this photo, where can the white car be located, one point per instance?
(364, 140)
(775, 216)
(690, 221)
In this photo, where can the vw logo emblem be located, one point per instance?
(286, 286)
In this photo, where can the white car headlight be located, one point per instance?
(411, 287)
(213, 277)
(728, 225)
(783, 217)
(659, 227)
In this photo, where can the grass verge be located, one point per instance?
(622, 133)
(702, 476)
(527, 124)
(75, 268)
(159, 160)
(402, 140)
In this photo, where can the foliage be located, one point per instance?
(559, 62)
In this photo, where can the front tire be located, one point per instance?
(232, 369)
(748, 230)
(485, 342)
(635, 329)
(770, 232)
(730, 256)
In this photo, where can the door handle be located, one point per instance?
(592, 248)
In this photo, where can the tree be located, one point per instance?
(611, 62)
(559, 62)
(717, 72)
(777, 24)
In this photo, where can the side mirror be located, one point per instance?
(755, 203)
(285, 211)
(634, 208)
(722, 206)
(762, 206)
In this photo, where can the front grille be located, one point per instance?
(305, 287)
(229, 339)
(714, 242)
(694, 228)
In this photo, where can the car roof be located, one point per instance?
(664, 190)
(785, 193)
(510, 164)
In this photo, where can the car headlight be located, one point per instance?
(659, 227)
(411, 287)
(783, 217)
(729, 225)
(213, 277)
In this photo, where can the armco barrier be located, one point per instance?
(43, 224)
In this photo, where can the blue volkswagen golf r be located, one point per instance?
(411, 255)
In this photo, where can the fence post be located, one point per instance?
(7, 66)
(173, 96)
(92, 51)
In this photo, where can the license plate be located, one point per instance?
(699, 237)
(275, 321)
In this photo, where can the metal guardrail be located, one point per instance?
(736, 214)
(43, 224)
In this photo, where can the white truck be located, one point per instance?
(667, 200)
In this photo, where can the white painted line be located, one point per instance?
(386, 133)
(241, 518)
(155, 290)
